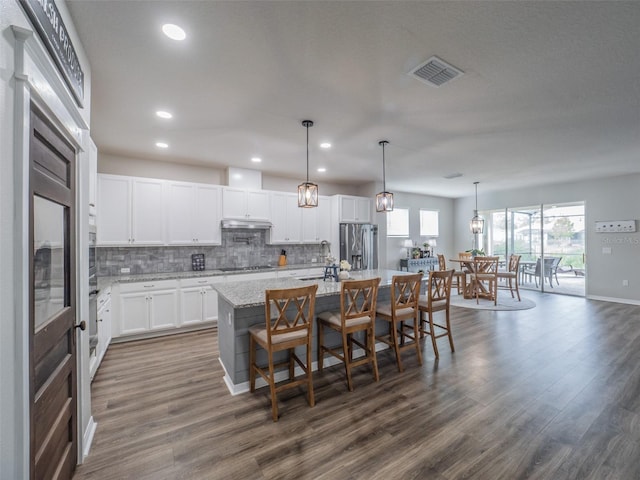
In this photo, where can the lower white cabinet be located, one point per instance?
(147, 306)
(104, 331)
(198, 300)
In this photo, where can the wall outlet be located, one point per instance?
(125, 270)
(625, 283)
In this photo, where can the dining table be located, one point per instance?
(467, 266)
(469, 289)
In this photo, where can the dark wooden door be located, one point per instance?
(52, 346)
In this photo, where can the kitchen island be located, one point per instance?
(241, 305)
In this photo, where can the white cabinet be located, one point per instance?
(104, 331)
(286, 218)
(198, 300)
(130, 211)
(146, 306)
(193, 213)
(354, 209)
(245, 204)
(316, 222)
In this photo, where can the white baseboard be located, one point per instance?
(87, 438)
(627, 301)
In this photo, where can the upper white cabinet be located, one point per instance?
(114, 210)
(316, 222)
(194, 212)
(354, 209)
(245, 204)
(130, 211)
(286, 217)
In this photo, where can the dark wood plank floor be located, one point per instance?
(547, 393)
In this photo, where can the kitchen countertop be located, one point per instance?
(104, 282)
(250, 293)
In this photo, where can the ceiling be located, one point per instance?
(550, 91)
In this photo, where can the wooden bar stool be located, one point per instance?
(288, 324)
(405, 292)
(437, 299)
(357, 314)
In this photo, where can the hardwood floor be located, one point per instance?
(547, 393)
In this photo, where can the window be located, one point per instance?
(429, 223)
(398, 222)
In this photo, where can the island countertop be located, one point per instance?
(250, 293)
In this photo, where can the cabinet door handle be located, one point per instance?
(149, 286)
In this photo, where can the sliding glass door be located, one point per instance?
(550, 241)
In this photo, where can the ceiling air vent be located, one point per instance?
(435, 72)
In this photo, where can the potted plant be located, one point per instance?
(344, 270)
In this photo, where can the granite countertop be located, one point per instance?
(250, 293)
(104, 282)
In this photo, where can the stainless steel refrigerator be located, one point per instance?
(359, 245)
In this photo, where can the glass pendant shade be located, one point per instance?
(477, 224)
(307, 191)
(307, 195)
(384, 199)
(384, 202)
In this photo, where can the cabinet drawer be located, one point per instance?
(200, 281)
(148, 286)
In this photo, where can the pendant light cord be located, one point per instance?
(307, 125)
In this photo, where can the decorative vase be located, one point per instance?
(343, 275)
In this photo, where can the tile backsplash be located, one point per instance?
(239, 248)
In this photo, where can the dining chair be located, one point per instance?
(538, 271)
(485, 278)
(405, 293)
(288, 324)
(437, 299)
(510, 276)
(459, 276)
(357, 314)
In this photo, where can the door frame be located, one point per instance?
(36, 79)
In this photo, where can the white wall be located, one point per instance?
(14, 382)
(445, 206)
(614, 198)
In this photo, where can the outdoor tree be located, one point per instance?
(562, 229)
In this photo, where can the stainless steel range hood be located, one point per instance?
(240, 223)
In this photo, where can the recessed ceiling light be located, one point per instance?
(256, 159)
(163, 114)
(325, 145)
(322, 169)
(162, 145)
(174, 32)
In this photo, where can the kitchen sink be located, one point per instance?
(245, 269)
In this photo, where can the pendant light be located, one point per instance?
(477, 223)
(307, 191)
(384, 199)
